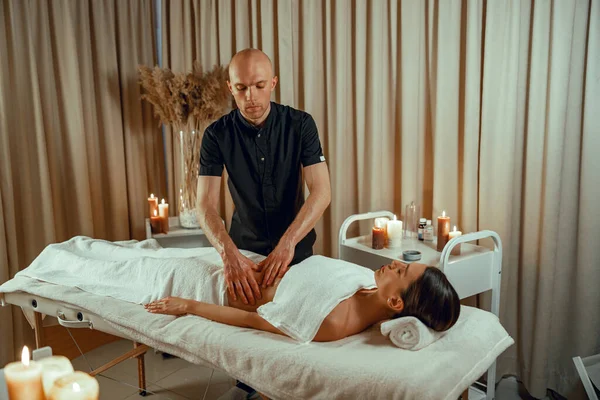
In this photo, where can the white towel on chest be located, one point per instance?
(409, 333)
(310, 290)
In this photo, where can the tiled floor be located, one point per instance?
(176, 379)
(170, 378)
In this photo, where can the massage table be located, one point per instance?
(366, 365)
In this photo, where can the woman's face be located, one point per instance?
(394, 278)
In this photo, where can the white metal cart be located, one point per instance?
(477, 270)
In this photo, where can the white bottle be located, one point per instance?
(428, 235)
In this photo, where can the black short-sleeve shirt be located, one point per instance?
(265, 173)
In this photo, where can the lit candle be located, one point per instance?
(443, 231)
(153, 204)
(155, 222)
(24, 379)
(382, 222)
(75, 386)
(452, 235)
(53, 368)
(394, 233)
(163, 213)
(378, 240)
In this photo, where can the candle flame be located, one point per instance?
(151, 195)
(76, 387)
(394, 217)
(454, 228)
(443, 213)
(155, 213)
(25, 356)
(162, 201)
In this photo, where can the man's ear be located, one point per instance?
(274, 83)
(395, 303)
(229, 86)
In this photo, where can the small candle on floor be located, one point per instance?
(53, 368)
(443, 231)
(456, 250)
(75, 386)
(24, 379)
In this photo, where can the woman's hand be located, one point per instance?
(169, 306)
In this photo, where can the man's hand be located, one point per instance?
(240, 279)
(277, 263)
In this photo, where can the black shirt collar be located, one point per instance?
(249, 128)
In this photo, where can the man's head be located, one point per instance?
(419, 291)
(251, 81)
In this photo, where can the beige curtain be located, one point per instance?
(79, 151)
(488, 110)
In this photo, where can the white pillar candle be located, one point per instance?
(75, 386)
(394, 233)
(451, 235)
(53, 368)
(24, 379)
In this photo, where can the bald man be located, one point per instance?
(267, 149)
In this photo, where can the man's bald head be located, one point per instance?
(251, 82)
(243, 58)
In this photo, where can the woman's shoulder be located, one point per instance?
(342, 321)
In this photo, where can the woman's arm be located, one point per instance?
(223, 314)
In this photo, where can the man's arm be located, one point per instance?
(209, 188)
(317, 180)
(238, 269)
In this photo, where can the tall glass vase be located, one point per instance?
(189, 154)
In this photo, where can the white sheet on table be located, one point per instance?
(137, 272)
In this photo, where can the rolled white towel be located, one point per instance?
(409, 333)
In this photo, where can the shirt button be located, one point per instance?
(262, 159)
(258, 135)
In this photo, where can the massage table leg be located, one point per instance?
(138, 352)
(39, 330)
(141, 370)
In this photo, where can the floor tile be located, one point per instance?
(157, 393)
(190, 381)
(112, 390)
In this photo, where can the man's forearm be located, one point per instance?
(213, 228)
(314, 207)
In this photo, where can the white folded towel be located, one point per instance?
(309, 291)
(409, 333)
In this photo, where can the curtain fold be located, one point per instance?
(487, 110)
(79, 151)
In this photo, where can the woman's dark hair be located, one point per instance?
(432, 299)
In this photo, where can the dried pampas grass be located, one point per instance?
(188, 102)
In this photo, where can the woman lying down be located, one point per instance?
(321, 299)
